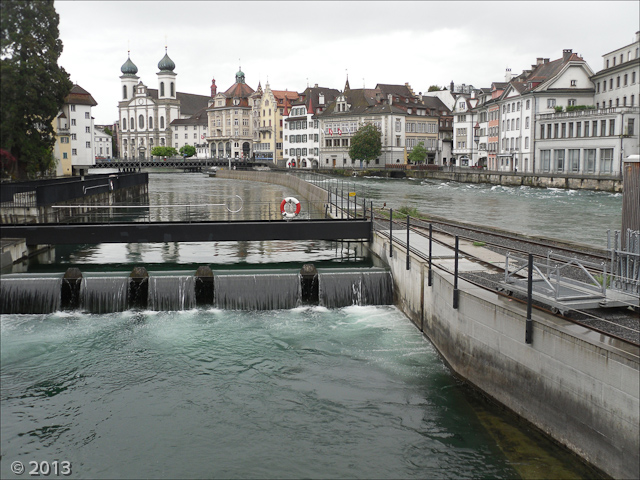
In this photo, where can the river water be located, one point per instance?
(353, 392)
(581, 216)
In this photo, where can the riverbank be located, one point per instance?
(538, 180)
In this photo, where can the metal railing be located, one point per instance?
(625, 262)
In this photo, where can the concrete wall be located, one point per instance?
(580, 387)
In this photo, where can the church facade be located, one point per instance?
(157, 117)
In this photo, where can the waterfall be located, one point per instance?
(172, 293)
(341, 289)
(104, 294)
(30, 295)
(257, 292)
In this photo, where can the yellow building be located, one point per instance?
(269, 107)
(62, 147)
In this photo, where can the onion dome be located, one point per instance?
(166, 64)
(240, 77)
(129, 68)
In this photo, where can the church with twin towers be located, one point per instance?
(163, 116)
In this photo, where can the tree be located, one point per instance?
(164, 152)
(366, 144)
(434, 88)
(418, 154)
(187, 150)
(34, 86)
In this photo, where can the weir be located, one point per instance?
(263, 290)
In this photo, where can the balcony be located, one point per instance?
(594, 112)
(267, 128)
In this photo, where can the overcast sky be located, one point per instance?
(293, 44)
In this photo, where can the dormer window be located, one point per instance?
(463, 105)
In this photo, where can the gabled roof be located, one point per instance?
(79, 96)
(363, 102)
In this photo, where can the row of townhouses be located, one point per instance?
(558, 117)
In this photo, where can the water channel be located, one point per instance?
(305, 392)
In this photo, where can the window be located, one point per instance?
(74, 151)
(141, 122)
(626, 79)
(618, 82)
(545, 160)
(86, 115)
(124, 92)
(603, 128)
(590, 160)
(172, 90)
(551, 102)
(526, 122)
(571, 102)
(73, 108)
(124, 123)
(633, 77)
(528, 104)
(161, 122)
(586, 129)
(73, 136)
(578, 129)
(559, 160)
(612, 127)
(574, 83)
(630, 127)
(64, 155)
(87, 129)
(150, 123)
(526, 142)
(606, 160)
(541, 132)
(574, 160)
(132, 123)
(73, 122)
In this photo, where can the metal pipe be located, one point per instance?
(430, 251)
(391, 232)
(529, 323)
(455, 276)
(407, 242)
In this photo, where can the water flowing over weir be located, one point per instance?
(29, 295)
(264, 290)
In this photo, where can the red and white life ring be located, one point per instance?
(290, 207)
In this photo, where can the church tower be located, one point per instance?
(166, 78)
(129, 79)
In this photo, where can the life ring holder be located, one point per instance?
(287, 214)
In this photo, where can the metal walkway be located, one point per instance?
(159, 232)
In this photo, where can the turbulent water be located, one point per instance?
(354, 392)
(581, 216)
(308, 392)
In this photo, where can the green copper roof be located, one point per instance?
(166, 64)
(129, 68)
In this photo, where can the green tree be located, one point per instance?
(366, 144)
(164, 152)
(434, 88)
(418, 154)
(188, 150)
(34, 86)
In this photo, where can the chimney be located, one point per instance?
(507, 75)
(315, 86)
(451, 87)
(638, 36)
(566, 54)
(539, 61)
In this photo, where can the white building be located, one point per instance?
(77, 110)
(101, 143)
(595, 134)
(146, 114)
(301, 142)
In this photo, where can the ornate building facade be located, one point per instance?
(146, 115)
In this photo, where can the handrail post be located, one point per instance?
(430, 252)
(529, 323)
(391, 232)
(455, 277)
(407, 242)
